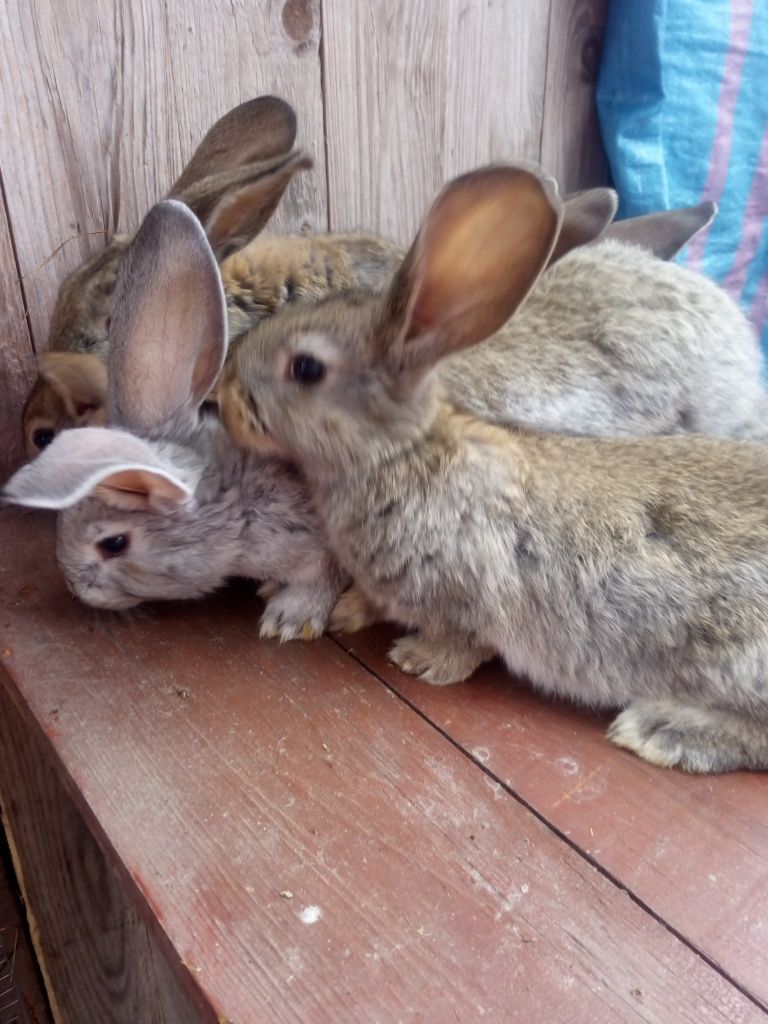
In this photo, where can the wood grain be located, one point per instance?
(571, 148)
(692, 849)
(98, 959)
(17, 367)
(311, 848)
(22, 1000)
(104, 101)
(417, 93)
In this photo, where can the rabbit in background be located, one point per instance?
(675, 362)
(161, 505)
(630, 574)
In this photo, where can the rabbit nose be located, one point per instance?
(239, 413)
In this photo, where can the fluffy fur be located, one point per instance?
(618, 573)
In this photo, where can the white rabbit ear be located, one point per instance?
(117, 467)
(79, 379)
(484, 243)
(260, 129)
(664, 233)
(168, 334)
(585, 217)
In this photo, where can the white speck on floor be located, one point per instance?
(482, 754)
(310, 915)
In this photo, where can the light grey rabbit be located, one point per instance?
(630, 574)
(166, 506)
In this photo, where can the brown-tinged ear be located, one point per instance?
(586, 216)
(664, 233)
(257, 130)
(485, 241)
(236, 206)
(79, 379)
(169, 323)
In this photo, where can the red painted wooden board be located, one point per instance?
(308, 846)
(694, 849)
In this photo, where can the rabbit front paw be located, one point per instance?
(294, 613)
(439, 662)
(352, 613)
(670, 733)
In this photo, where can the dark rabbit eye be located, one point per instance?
(42, 438)
(111, 547)
(307, 369)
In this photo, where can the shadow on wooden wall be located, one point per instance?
(103, 101)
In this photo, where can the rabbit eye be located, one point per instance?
(42, 438)
(111, 547)
(307, 369)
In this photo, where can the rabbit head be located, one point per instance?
(233, 182)
(161, 504)
(353, 375)
(130, 527)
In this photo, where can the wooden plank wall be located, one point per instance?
(103, 101)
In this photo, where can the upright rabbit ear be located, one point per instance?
(257, 130)
(114, 466)
(240, 170)
(484, 243)
(169, 324)
(585, 218)
(664, 233)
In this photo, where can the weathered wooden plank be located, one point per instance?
(104, 101)
(22, 1000)
(17, 367)
(99, 961)
(311, 848)
(416, 93)
(693, 849)
(571, 148)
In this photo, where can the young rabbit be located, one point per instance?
(630, 574)
(163, 505)
(233, 182)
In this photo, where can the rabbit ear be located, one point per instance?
(484, 243)
(79, 379)
(664, 233)
(117, 467)
(169, 324)
(257, 130)
(237, 205)
(585, 218)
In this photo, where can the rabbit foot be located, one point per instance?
(293, 613)
(439, 662)
(670, 733)
(268, 588)
(352, 613)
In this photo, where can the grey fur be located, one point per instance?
(196, 510)
(618, 573)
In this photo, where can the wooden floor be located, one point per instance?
(303, 834)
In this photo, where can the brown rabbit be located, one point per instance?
(630, 574)
(233, 182)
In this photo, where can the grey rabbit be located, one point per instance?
(161, 505)
(629, 574)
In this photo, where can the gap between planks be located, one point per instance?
(555, 830)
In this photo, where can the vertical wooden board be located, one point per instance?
(100, 963)
(571, 148)
(104, 101)
(16, 356)
(417, 93)
(694, 849)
